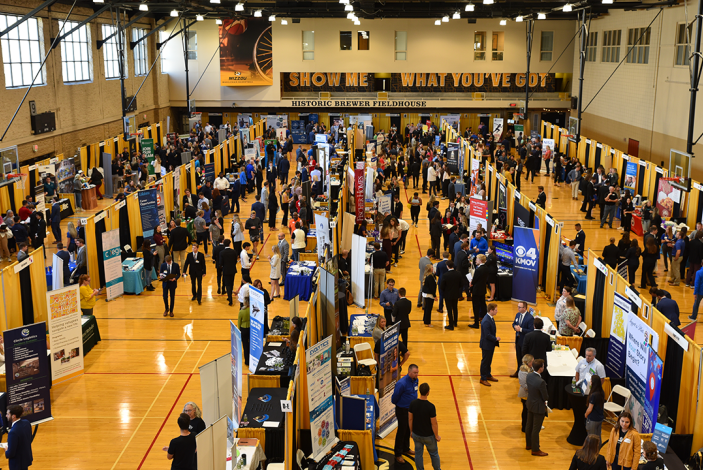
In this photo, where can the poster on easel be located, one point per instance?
(387, 378)
(256, 329)
(237, 363)
(318, 360)
(66, 333)
(112, 261)
(28, 375)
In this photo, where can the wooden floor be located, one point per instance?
(124, 409)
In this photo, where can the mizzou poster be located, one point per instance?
(246, 55)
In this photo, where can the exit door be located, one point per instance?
(633, 148)
(395, 122)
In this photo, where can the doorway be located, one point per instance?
(555, 118)
(215, 120)
(395, 122)
(633, 148)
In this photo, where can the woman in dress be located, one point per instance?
(569, 318)
(387, 242)
(275, 275)
(72, 234)
(492, 267)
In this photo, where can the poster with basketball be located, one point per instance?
(246, 55)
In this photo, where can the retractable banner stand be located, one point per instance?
(359, 201)
(618, 336)
(358, 272)
(28, 375)
(497, 128)
(322, 233)
(453, 158)
(521, 215)
(384, 204)
(631, 176)
(236, 359)
(147, 146)
(66, 333)
(640, 340)
(502, 204)
(478, 213)
(318, 360)
(387, 378)
(526, 268)
(256, 330)
(107, 174)
(112, 260)
(149, 211)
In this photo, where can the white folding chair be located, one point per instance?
(364, 355)
(590, 333)
(575, 353)
(583, 327)
(613, 407)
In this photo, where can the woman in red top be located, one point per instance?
(448, 219)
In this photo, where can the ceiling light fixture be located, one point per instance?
(239, 7)
(349, 8)
(284, 22)
(541, 16)
(174, 13)
(437, 22)
(456, 16)
(518, 19)
(344, 2)
(257, 14)
(272, 18)
(470, 7)
(143, 7)
(215, 1)
(350, 15)
(607, 2)
(567, 8)
(503, 22)
(199, 18)
(357, 22)
(218, 21)
(98, 1)
(445, 19)
(488, 2)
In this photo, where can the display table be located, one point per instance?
(636, 224)
(50, 274)
(91, 333)
(362, 325)
(65, 209)
(297, 283)
(561, 364)
(672, 461)
(579, 404)
(89, 198)
(255, 455)
(133, 276)
(561, 368)
(580, 278)
(275, 359)
(264, 406)
(354, 451)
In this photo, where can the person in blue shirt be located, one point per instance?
(251, 173)
(478, 245)
(698, 293)
(668, 307)
(676, 256)
(387, 299)
(404, 393)
(457, 246)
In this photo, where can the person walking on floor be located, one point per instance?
(401, 314)
(168, 267)
(451, 284)
(403, 395)
(488, 343)
(523, 324)
(380, 262)
(676, 256)
(196, 262)
(478, 291)
(537, 397)
(422, 420)
(228, 261)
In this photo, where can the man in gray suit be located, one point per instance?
(285, 249)
(81, 260)
(537, 397)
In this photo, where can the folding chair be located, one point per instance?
(613, 407)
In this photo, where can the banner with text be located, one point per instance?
(322, 233)
(237, 364)
(318, 360)
(387, 378)
(147, 146)
(256, 327)
(526, 267)
(112, 260)
(478, 213)
(453, 158)
(359, 201)
(618, 334)
(149, 211)
(28, 375)
(66, 333)
(631, 176)
(521, 215)
(640, 339)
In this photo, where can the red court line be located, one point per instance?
(149, 373)
(260, 250)
(461, 425)
(166, 419)
(418, 245)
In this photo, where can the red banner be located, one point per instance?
(360, 201)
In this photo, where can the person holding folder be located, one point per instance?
(169, 274)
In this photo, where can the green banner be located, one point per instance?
(519, 128)
(147, 146)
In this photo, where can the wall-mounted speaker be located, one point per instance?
(44, 122)
(574, 102)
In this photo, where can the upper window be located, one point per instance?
(592, 47)
(546, 47)
(22, 52)
(111, 50)
(638, 45)
(308, 45)
(345, 40)
(140, 54)
(497, 45)
(480, 45)
(401, 45)
(611, 46)
(683, 39)
(192, 45)
(363, 40)
(163, 35)
(75, 53)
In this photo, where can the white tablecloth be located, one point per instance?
(561, 363)
(255, 455)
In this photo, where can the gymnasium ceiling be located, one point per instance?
(369, 9)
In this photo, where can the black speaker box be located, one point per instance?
(44, 122)
(574, 102)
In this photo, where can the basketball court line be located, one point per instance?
(461, 424)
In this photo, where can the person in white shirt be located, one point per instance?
(589, 366)
(404, 227)
(432, 179)
(299, 241)
(221, 183)
(246, 262)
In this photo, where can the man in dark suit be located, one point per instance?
(19, 440)
(401, 314)
(450, 284)
(228, 261)
(440, 271)
(523, 324)
(196, 262)
(66, 258)
(611, 254)
(537, 342)
(178, 240)
(56, 219)
(461, 263)
(541, 197)
(536, 407)
(488, 343)
(189, 198)
(216, 259)
(580, 239)
(169, 267)
(478, 290)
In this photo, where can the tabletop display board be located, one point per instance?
(320, 397)
(66, 333)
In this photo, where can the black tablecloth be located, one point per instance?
(91, 333)
(264, 404)
(504, 287)
(556, 388)
(579, 403)
(672, 461)
(280, 326)
(280, 368)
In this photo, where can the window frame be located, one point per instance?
(497, 52)
(192, 44)
(351, 41)
(685, 46)
(359, 41)
(163, 35)
(75, 44)
(139, 50)
(592, 47)
(9, 49)
(542, 50)
(308, 50)
(397, 51)
(610, 53)
(639, 53)
(482, 49)
(108, 45)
